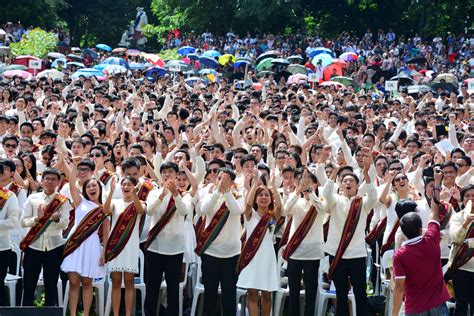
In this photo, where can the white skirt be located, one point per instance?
(85, 259)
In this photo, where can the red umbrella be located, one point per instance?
(332, 70)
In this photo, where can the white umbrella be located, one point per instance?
(51, 73)
(114, 69)
(2, 32)
(56, 55)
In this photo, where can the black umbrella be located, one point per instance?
(417, 60)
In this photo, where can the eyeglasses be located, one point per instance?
(389, 148)
(84, 170)
(50, 179)
(395, 169)
(97, 155)
(400, 179)
(10, 145)
(214, 170)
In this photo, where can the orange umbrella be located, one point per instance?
(332, 70)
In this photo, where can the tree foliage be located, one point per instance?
(36, 43)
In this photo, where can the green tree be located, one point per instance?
(36, 43)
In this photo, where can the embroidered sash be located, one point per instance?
(209, 234)
(279, 224)
(253, 242)
(369, 220)
(300, 233)
(199, 226)
(390, 243)
(161, 223)
(121, 233)
(375, 233)
(89, 225)
(462, 256)
(286, 233)
(347, 233)
(4, 195)
(15, 188)
(445, 212)
(43, 223)
(70, 225)
(142, 194)
(106, 176)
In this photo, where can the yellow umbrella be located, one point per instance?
(224, 59)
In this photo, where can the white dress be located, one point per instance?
(127, 260)
(85, 259)
(262, 271)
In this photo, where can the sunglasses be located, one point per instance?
(10, 145)
(83, 170)
(97, 155)
(213, 170)
(400, 179)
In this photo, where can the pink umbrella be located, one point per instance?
(20, 73)
(188, 61)
(153, 59)
(338, 85)
(297, 79)
(348, 56)
(339, 61)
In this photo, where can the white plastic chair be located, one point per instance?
(139, 285)
(324, 295)
(98, 285)
(451, 305)
(11, 280)
(182, 285)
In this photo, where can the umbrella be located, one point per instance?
(403, 80)
(27, 57)
(73, 63)
(155, 70)
(264, 64)
(348, 56)
(280, 61)
(119, 50)
(297, 79)
(417, 89)
(331, 70)
(325, 59)
(137, 66)
(193, 56)
(13, 67)
(298, 69)
(295, 58)
(243, 62)
(207, 72)
(74, 57)
(110, 69)
(55, 63)
(344, 80)
(450, 78)
(211, 54)
(339, 61)
(417, 60)
(133, 52)
(320, 50)
(191, 73)
(269, 54)
(100, 67)
(224, 59)
(116, 61)
(338, 85)
(89, 52)
(56, 55)
(265, 73)
(185, 50)
(103, 47)
(446, 86)
(87, 72)
(208, 62)
(192, 80)
(51, 73)
(153, 59)
(177, 66)
(2, 32)
(20, 73)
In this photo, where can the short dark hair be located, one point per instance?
(169, 165)
(10, 137)
(411, 225)
(87, 163)
(52, 171)
(102, 150)
(130, 163)
(8, 163)
(229, 171)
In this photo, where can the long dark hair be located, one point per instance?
(32, 169)
(84, 191)
(259, 190)
(23, 172)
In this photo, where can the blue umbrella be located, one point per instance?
(321, 50)
(193, 56)
(100, 67)
(73, 63)
(55, 63)
(116, 61)
(87, 72)
(192, 80)
(107, 48)
(158, 70)
(208, 62)
(242, 62)
(90, 52)
(137, 66)
(207, 71)
(325, 59)
(211, 53)
(185, 50)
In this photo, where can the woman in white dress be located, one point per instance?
(125, 264)
(87, 261)
(261, 274)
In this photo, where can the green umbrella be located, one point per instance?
(344, 80)
(264, 73)
(298, 69)
(265, 64)
(12, 67)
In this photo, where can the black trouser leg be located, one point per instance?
(32, 263)
(4, 262)
(173, 265)
(294, 272)
(210, 279)
(155, 267)
(357, 274)
(51, 269)
(463, 287)
(340, 278)
(229, 279)
(310, 278)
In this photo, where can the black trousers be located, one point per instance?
(4, 263)
(156, 265)
(50, 261)
(223, 271)
(464, 290)
(310, 278)
(353, 270)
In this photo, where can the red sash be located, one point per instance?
(209, 234)
(199, 226)
(279, 224)
(142, 194)
(286, 233)
(347, 233)
(43, 222)
(89, 225)
(70, 225)
(462, 256)
(14, 188)
(445, 212)
(253, 242)
(390, 243)
(300, 233)
(106, 176)
(369, 220)
(121, 233)
(378, 231)
(326, 228)
(161, 223)
(455, 202)
(63, 182)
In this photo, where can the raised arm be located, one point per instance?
(108, 201)
(136, 201)
(384, 197)
(75, 194)
(250, 197)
